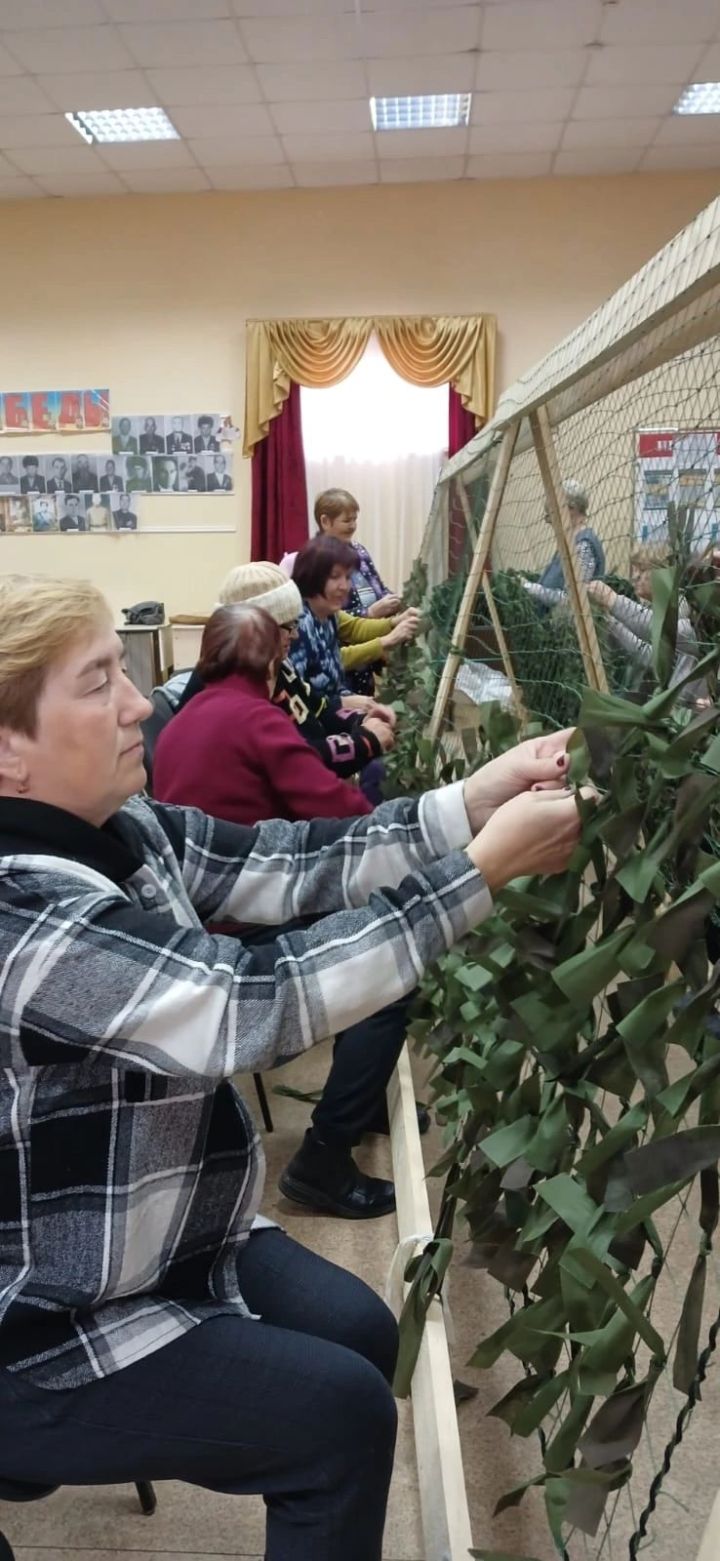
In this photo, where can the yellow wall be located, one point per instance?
(149, 296)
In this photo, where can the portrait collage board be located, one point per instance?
(677, 469)
(77, 492)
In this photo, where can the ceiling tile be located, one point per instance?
(321, 118)
(166, 10)
(451, 31)
(330, 148)
(665, 21)
(222, 119)
(225, 152)
(625, 102)
(69, 49)
(410, 144)
(185, 43)
(515, 138)
(38, 130)
(116, 89)
(250, 176)
(656, 63)
(56, 159)
(22, 95)
(311, 175)
(689, 130)
(708, 66)
(145, 154)
(514, 165)
(529, 24)
(613, 159)
(19, 190)
(602, 133)
(50, 13)
(509, 71)
(246, 9)
(546, 103)
(421, 170)
(314, 38)
(165, 181)
(429, 73)
(307, 82)
(205, 84)
(9, 66)
(77, 184)
(658, 158)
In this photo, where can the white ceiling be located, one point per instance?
(269, 94)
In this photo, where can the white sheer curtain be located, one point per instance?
(385, 441)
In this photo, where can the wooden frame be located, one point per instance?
(480, 557)
(443, 1500)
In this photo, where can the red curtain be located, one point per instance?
(279, 497)
(461, 428)
(461, 423)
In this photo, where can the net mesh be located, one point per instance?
(645, 453)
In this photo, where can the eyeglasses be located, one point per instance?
(290, 627)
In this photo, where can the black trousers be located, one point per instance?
(295, 1407)
(364, 1057)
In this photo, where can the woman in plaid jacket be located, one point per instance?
(152, 1324)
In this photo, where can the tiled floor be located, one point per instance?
(191, 1524)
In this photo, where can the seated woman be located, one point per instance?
(346, 740)
(152, 1326)
(336, 515)
(550, 588)
(230, 750)
(323, 573)
(630, 622)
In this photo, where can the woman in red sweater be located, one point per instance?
(230, 750)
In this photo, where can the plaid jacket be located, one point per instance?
(130, 1170)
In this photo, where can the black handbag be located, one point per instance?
(144, 615)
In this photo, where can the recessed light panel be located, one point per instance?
(123, 124)
(702, 98)
(434, 111)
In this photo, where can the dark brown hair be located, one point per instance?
(238, 639)
(317, 559)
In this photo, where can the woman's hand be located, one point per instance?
(383, 713)
(382, 730)
(534, 833)
(600, 592)
(402, 633)
(387, 607)
(540, 761)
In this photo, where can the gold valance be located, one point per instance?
(426, 350)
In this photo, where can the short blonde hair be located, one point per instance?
(40, 619)
(649, 555)
(334, 502)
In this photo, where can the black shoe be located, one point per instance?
(381, 1122)
(327, 1179)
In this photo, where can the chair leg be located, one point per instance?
(146, 1497)
(6, 1554)
(262, 1097)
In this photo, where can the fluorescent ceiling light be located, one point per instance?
(702, 98)
(435, 111)
(123, 124)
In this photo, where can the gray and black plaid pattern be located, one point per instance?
(130, 1169)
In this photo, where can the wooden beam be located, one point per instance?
(562, 526)
(443, 1499)
(481, 554)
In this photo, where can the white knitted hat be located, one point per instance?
(262, 585)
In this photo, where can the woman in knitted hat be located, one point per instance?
(346, 740)
(231, 751)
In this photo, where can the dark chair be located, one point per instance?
(17, 1490)
(163, 711)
